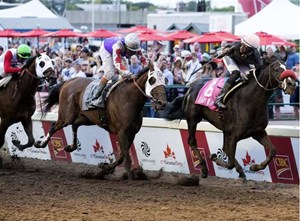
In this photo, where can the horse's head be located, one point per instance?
(286, 78)
(155, 87)
(44, 66)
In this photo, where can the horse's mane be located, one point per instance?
(29, 61)
(142, 72)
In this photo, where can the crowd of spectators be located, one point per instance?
(185, 63)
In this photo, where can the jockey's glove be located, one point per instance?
(127, 74)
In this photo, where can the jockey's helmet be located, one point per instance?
(132, 42)
(251, 41)
(24, 51)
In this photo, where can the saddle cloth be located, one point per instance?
(90, 92)
(209, 92)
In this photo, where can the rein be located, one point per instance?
(269, 80)
(140, 89)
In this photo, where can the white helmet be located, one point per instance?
(132, 42)
(251, 41)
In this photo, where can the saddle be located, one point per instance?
(210, 91)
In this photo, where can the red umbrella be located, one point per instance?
(63, 33)
(151, 36)
(34, 33)
(209, 38)
(8, 33)
(138, 28)
(268, 39)
(181, 34)
(101, 33)
(225, 34)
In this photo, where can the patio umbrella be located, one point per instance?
(225, 34)
(101, 33)
(181, 35)
(138, 28)
(63, 33)
(268, 39)
(34, 33)
(7, 33)
(209, 38)
(151, 36)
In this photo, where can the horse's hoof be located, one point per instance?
(16, 143)
(69, 149)
(213, 157)
(103, 166)
(37, 144)
(204, 174)
(254, 167)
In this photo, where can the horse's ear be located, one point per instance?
(37, 53)
(151, 65)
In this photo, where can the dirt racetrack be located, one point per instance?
(48, 190)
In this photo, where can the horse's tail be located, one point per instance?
(174, 110)
(52, 98)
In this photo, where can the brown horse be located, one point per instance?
(123, 110)
(246, 116)
(18, 98)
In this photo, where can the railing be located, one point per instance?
(184, 88)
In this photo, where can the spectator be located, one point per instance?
(281, 54)
(196, 48)
(294, 98)
(85, 68)
(193, 66)
(292, 58)
(67, 71)
(77, 70)
(178, 72)
(135, 66)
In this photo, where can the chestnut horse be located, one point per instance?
(246, 115)
(18, 98)
(123, 111)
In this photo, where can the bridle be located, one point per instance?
(269, 80)
(153, 100)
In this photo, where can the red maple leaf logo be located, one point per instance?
(247, 160)
(97, 146)
(169, 153)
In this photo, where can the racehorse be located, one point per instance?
(123, 111)
(246, 115)
(17, 98)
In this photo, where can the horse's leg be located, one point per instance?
(264, 140)
(27, 124)
(124, 143)
(4, 124)
(192, 125)
(227, 158)
(81, 120)
(240, 170)
(55, 127)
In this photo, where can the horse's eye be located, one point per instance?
(53, 63)
(152, 81)
(42, 64)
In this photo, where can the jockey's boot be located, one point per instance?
(98, 100)
(231, 80)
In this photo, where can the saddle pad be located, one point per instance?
(89, 93)
(209, 92)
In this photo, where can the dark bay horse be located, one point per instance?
(246, 116)
(123, 110)
(18, 98)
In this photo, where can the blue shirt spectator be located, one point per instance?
(135, 66)
(292, 58)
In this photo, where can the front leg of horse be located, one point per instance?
(74, 145)
(27, 124)
(264, 140)
(226, 157)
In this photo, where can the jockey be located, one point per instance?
(10, 60)
(235, 55)
(114, 53)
